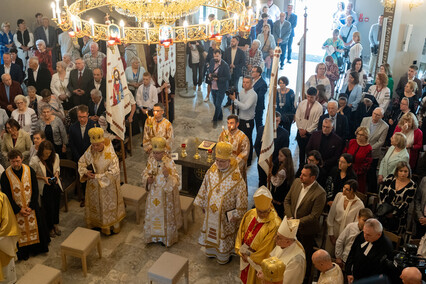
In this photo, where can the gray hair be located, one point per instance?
(94, 43)
(333, 102)
(375, 225)
(258, 42)
(5, 75)
(96, 92)
(21, 97)
(62, 64)
(32, 88)
(328, 120)
(135, 58)
(43, 107)
(66, 55)
(381, 110)
(40, 41)
(34, 58)
(406, 99)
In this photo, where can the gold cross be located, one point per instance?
(214, 208)
(156, 202)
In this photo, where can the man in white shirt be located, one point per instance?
(146, 97)
(273, 11)
(330, 271)
(99, 82)
(307, 116)
(245, 106)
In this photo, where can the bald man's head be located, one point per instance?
(411, 275)
(322, 260)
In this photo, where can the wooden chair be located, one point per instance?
(395, 239)
(363, 197)
(69, 178)
(41, 274)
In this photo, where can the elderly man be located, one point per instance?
(163, 216)
(14, 70)
(96, 105)
(8, 91)
(94, 58)
(223, 199)
(368, 250)
(157, 126)
(80, 83)
(245, 106)
(330, 271)
(48, 34)
(340, 122)
(328, 143)
(411, 275)
(99, 82)
(378, 131)
(282, 31)
(38, 76)
(306, 201)
(99, 166)
(346, 32)
(255, 238)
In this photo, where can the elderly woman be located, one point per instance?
(409, 125)
(3, 119)
(397, 193)
(134, 74)
(54, 130)
(334, 47)
(356, 48)
(361, 150)
(320, 79)
(285, 103)
(395, 154)
(53, 102)
(44, 56)
(332, 72)
(267, 40)
(25, 116)
(46, 166)
(344, 211)
(33, 98)
(380, 90)
(15, 138)
(68, 61)
(409, 93)
(353, 90)
(253, 58)
(6, 39)
(59, 83)
(356, 66)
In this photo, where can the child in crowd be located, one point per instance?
(346, 238)
(268, 64)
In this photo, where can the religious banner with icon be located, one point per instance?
(118, 95)
(166, 60)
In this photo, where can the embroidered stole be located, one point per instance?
(21, 193)
(157, 206)
(249, 236)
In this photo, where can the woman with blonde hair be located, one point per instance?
(396, 153)
(410, 93)
(6, 39)
(320, 79)
(386, 69)
(25, 116)
(356, 48)
(409, 126)
(380, 90)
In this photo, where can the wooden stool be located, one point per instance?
(168, 269)
(41, 274)
(133, 196)
(187, 206)
(79, 244)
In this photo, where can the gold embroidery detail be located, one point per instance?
(214, 208)
(156, 202)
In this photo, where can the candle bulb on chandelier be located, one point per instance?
(249, 3)
(235, 21)
(257, 9)
(92, 27)
(146, 26)
(185, 29)
(58, 11)
(207, 27)
(123, 35)
(53, 9)
(65, 3)
(74, 23)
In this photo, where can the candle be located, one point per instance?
(92, 27)
(74, 23)
(58, 11)
(65, 3)
(249, 3)
(235, 21)
(146, 26)
(53, 9)
(257, 9)
(185, 29)
(123, 35)
(207, 27)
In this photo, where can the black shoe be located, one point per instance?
(227, 105)
(282, 67)
(288, 61)
(214, 124)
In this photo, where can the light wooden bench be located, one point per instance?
(41, 274)
(187, 207)
(133, 196)
(168, 269)
(79, 244)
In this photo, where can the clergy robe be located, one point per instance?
(163, 216)
(153, 128)
(104, 205)
(332, 276)
(240, 148)
(294, 260)
(220, 192)
(259, 235)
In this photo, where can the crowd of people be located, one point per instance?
(351, 146)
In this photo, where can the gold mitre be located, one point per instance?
(273, 269)
(96, 135)
(158, 144)
(223, 150)
(262, 198)
(288, 227)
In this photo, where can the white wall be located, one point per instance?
(12, 10)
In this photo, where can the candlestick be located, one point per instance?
(92, 27)
(183, 153)
(123, 35)
(209, 156)
(53, 9)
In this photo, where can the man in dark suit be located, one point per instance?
(96, 105)
(13, 69)
(282, 32)
(265, 20)
(80, 83)
(236, 59)
(260, 87)
(79, 139)
(305, 201)
(326, 142)
(16, 60)
(38, 76)
(99, 82)
(340, 122)
(8, 91)
(411, 75)
(281, 141)
(292, 18)
(48, 34)
(219, 75)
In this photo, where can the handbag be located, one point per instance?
(384, 209)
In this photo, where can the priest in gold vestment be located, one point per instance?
(223, 199)
(239, 141)
(163, 215)
(99, 166)
(157, 126)
(255, 238)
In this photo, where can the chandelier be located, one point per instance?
(158, 21)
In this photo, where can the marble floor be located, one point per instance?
(126, 258)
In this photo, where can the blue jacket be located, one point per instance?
(15, 72)
(260, 87)
(77, 143)
(239, 61)
(223, 74)
(355, 96)
(293, 22)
